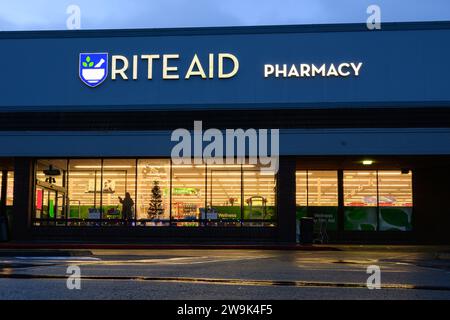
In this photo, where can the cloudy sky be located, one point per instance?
(102, 14)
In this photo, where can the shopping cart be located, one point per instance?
(320, 230)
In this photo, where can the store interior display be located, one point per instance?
(373, 200)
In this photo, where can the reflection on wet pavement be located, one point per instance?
(241, 268)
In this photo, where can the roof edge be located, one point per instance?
(263, 29)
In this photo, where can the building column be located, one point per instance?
(286, 209)
(3, 195)
(23, 187)
(431, 213)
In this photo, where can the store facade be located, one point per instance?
(358, 124)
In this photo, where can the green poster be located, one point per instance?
(51, 209)
(360, 218)
(395, 218)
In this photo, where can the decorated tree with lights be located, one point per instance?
(155, 208)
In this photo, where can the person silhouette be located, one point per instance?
(127, 206)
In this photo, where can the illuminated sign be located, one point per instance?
(93, 68)
(306, 70)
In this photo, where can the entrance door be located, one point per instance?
(50, 205)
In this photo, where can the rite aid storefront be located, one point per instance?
(363, 119)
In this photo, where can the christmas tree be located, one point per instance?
(156, 207)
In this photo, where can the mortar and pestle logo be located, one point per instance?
(93, 68)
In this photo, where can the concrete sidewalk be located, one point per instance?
(157, 246)
(440, 252)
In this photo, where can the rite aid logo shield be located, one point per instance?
(93, 68)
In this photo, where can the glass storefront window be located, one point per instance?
(9, 187)
(160, 193)
(301, 191)
(259, 196)
(317, 197)
(373, 199)
(224, 195)
(360, 218)
(360, 200)
(395, 200)
(301, 194)
(119, 179)
(238, 193)
(153, 192)
(163, 194)
(188, 194)
(85, 188)
(51, 189)
(395, 189)
(377, 200)
(323, 198)
(322, 188)
(52, 171)
(360, 188)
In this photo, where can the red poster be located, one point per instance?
(38, 199)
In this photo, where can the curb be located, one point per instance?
(43, 253)
(443, 256)
(99, 246)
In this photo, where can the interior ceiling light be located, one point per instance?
(367, 162)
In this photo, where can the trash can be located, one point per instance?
(3, 229)
(306, 230)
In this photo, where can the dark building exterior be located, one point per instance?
(363, 119)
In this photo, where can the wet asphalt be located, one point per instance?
(406, 273)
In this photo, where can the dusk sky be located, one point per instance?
(105, 14)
